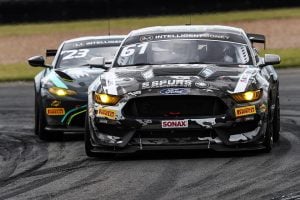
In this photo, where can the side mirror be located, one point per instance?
(98, 62)
(271, 59)
(37, 61)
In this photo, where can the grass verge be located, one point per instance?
(22, 71)
(17, 72)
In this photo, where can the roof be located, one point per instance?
(187, 29)
(95, 38)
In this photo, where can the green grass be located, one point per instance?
(133, 23)
(17, 72)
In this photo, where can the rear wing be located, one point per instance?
(51, 52)
(257, 38)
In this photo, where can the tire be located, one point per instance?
(88, 144)
(269, 139)
(36, 114)
(41, 124)
(87, 138)
(276, 121)
(41, 132)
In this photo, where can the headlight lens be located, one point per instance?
(248, 96)
(61, 91)
(106, 99)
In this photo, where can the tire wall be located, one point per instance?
(18, 11)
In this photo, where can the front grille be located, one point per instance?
(174, 106)
(175, 134)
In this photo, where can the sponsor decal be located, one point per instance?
(110, 114)
(55, 111)
(243, 82)
(263, 108)
(201, 85)
(175, 123)
(206, 72)
(175, 91)
(192, 35)
(55, 103)
(135, 93)
(243, 111)
(146, 38)
(167, 83)
(93, 43)
(148, 74)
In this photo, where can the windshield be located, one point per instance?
(184, 51)
(80, 57)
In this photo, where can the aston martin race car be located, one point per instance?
(185, 87)
(61, 88)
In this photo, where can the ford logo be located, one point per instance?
(175, 91)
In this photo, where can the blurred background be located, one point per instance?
(16, 11)
(29, 27)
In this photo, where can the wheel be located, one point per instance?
(88, 144)
(36, 114)
(276, 121)
(41, 124)
(268, 142)
(87, 138)
(41, 132)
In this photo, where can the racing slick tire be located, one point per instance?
(276, 121)
(268, 142)
(87, 139)
(88, 144)
(36, 114)
(40, 124)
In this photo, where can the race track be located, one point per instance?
(32, 169)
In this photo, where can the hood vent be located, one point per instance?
(64, 76)
(184, 71)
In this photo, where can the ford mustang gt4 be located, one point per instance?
(185, 87)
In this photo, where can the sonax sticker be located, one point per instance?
(174, 123)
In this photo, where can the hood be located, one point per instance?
(121, 80)
(76, 78)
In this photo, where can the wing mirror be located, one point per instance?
(37, 61)
(98, 62)
(271, 59)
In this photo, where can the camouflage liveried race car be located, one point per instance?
(61, 88)
(185, 87)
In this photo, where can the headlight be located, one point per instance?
(106, 99)
(61, 91)
(248, 96)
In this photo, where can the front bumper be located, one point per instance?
(206, 133)
(112, 131)
(66, 115)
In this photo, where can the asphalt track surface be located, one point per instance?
(32, 169)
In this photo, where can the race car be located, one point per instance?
(61, 88)
(185, 87)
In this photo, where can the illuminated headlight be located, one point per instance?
(61, 91)
(248, 96)
(106, 99)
